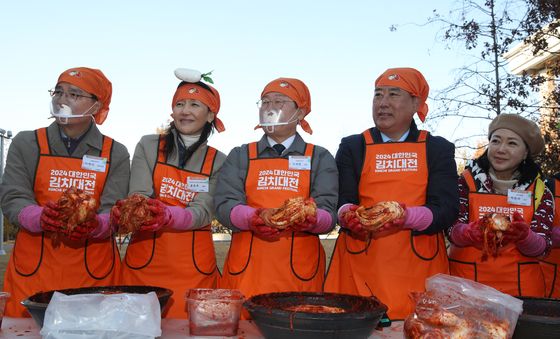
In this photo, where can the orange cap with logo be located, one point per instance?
(410, 80)
(296, 90)
(94, 82)
(208, 96)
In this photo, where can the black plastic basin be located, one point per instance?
(360, 317)
(540, 319)
(37, 303)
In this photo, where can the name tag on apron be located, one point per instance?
(299, 162)
(198, 184)
(522, 198)
(92, 163)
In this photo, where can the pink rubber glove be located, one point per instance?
(556, 237)
(30, 218)
(104, 229)
(391, 227)
(527, 242)
(518, 230)
(49, 217)
(181, 218)
(470, 234)
(344, 216)
(83, 230)
(259, 228)
(532, 246)
(241, 216)
(161, 216)
(308, 223)
(322, 224)
(348, 219)
(116, 213)
(418, 218)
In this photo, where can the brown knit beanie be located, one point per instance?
(525, 128)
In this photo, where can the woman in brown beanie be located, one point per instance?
(504, 181)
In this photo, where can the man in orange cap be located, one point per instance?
(44, 163)
(394, 161)
(259, 177)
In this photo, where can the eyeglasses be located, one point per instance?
(57, 93)
(266, 103)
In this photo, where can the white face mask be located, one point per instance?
(275, 117)
(65, 112)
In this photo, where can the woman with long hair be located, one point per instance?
(504, 181)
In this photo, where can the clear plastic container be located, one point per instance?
(3, 299)
(214, 312)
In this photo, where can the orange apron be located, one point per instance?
(510, 272)
(178, 260)
(393, 266)
(38, 265)
(551, 264)
(296, 262)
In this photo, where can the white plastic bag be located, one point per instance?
(118, 316)
(461, 308)
(481, 296)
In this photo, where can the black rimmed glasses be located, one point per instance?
(275, 104)
(58, 93)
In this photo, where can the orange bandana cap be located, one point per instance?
(205, 93)
(94, 82)
(297, 91)
(410, 80)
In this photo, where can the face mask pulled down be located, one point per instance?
(276, 117)
(64, 112)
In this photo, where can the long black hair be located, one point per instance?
(186, 153)
(528, 168)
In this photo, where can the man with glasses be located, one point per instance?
(44, 163)
(258, 177)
